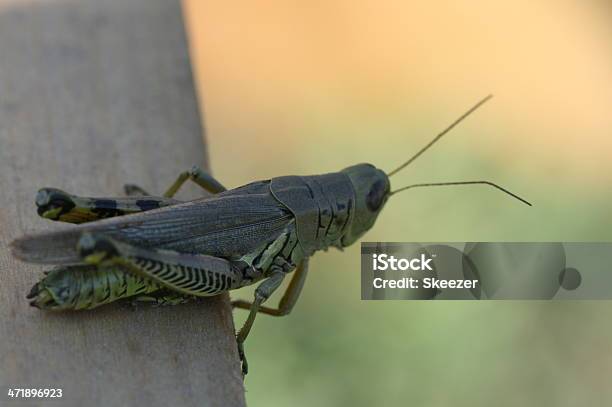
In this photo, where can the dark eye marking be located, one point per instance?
(376, 196)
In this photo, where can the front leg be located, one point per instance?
(290, 297)
(285, 305)
(262, 293)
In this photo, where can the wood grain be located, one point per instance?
(94, 94)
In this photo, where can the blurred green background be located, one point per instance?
(293, 87)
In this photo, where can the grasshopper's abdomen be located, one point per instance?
(87, 287)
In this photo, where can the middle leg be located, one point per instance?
(200, 177)
(262, 293)
(290, 297)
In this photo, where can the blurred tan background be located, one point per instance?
(293, 87)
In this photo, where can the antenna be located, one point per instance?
(438, 184)
(439, 136)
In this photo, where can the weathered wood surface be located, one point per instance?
(93, 94)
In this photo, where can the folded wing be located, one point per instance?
(227, 225)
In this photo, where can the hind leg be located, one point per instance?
(188, 274)
(58, 205)
(55, 204)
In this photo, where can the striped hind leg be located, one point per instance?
(55, 204)
(188, 274)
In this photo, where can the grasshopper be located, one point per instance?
(161, 250)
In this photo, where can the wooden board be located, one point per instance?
(94, 94)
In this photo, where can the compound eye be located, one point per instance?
(377, 195)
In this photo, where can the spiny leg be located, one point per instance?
(290, 297)
(58, 205)
(200, 177)
(262, 293)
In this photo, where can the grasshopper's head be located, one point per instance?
(372, 189)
